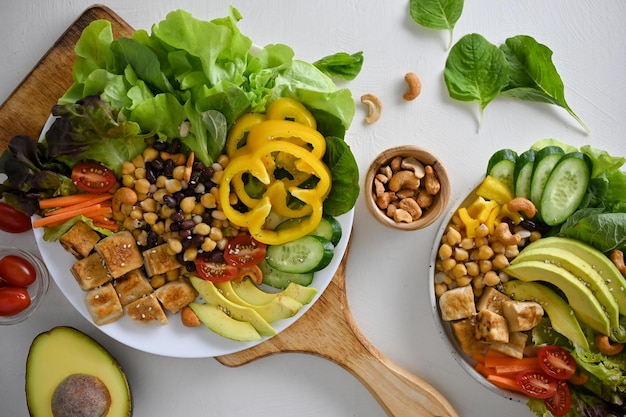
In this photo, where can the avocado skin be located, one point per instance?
(560, 313)
(63, 351)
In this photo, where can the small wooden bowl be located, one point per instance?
(429, 214)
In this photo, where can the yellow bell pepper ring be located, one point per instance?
(286, 130)
(289, 109)
(240, 129)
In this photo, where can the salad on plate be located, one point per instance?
(188, 172)
(529, 279)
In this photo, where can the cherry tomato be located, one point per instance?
(12, 220)
(559, 404)
(556, 362)
(244, 251)
(17, 271)
(215, 270)
(93, 177)
(13, 300)
(536, 384)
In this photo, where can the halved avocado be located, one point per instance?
(64, 352)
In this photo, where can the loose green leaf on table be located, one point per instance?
(341, 65)
(476, 70)
(437, 14)
(532, 75)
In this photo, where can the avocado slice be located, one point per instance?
(252, 294)
(561, 315)
(64, 356)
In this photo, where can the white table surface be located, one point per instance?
(387, 272)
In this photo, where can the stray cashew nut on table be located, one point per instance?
(374, 105)
(414, 86)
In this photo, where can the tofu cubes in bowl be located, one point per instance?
(115, 276)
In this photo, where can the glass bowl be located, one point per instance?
(37, 290)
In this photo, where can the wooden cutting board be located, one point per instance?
(327, 329)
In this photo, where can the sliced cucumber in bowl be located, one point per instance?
(523, 172)
(545, 161)
(306, 254)
(501, 166)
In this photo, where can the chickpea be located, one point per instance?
(491, 279)
(445, 251)
(500, 261)
(460, 254)
(448, 264)
(454, 236)
(485, 252)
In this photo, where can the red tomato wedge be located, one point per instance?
(17, 271)
(13, 220)
(215, 270)
(244, 251)
(536, 384)
(93, 177)
(556, 362)
(559, 404)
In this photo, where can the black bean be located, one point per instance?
(157, 164)
(197, 240)
(151, 176)
(185, 234)
(528, 225)
(175, 227)
(177, 216)
(174, 146)
(160, 146)
(179, 195)
(187, 224)
(168, 169)
(170, 201)
(180, 257)
(206, 217)
(190, 266)
(216, 256)
(153, 239)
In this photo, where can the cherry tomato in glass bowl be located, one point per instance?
(12, 220)
(536, 384)
(560, 403)
(17, 271)
(13, 300)
(215, 270)
(556, 362)
(244, 251)
(93, 177)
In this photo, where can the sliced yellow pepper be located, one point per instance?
(289, 109)
(239, 130)
(493, 189)
(468, 221)
(286, 130)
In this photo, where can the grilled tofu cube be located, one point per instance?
(103, 305)
(159, 260)
(90, 272)
(457, 303)
(466, 336)
(515, 347)
(120, 253)
(79, 240)
(491, 300)
(146, 310)
(522, 315)
(491, 327)
(132, 286)
(176, 295)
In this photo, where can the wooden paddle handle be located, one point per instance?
(328, 330)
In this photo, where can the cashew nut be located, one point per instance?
(414, 84)
(386, 171)
(431, 183)
(403, 179)
(402, 216)
(503, 235)
(123, 195)
(379, 187)
(382, 178)
(375, 107)
(383, 201)
(396, 164)
(410, 206)
(424, 199)
(617, 256)
(524, 205)
(605, 346)
(414, 165)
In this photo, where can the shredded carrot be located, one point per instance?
(93, 210)
(68, 200)
(504, 382)
(99, 199)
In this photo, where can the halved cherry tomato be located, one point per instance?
(13, 300)
(244, 251)
(215, 270)
(12, 220)
(559, 404)
(93, 177)
(536, 384)
(556, 362)
(17, 271)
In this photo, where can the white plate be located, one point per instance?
(443, 327)
(173, 339)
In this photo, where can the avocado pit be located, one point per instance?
(81, 395)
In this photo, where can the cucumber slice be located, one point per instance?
(306, 254)
(565, 188)
(501, 165)
(281, 280)
(329, 228)
(545, 160)
(523, 173)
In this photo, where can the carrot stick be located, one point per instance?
(67, 200)
(504, 382)
(96, 200)
(110, 226)
(88, 211)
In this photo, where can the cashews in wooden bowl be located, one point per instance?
(406, 188)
